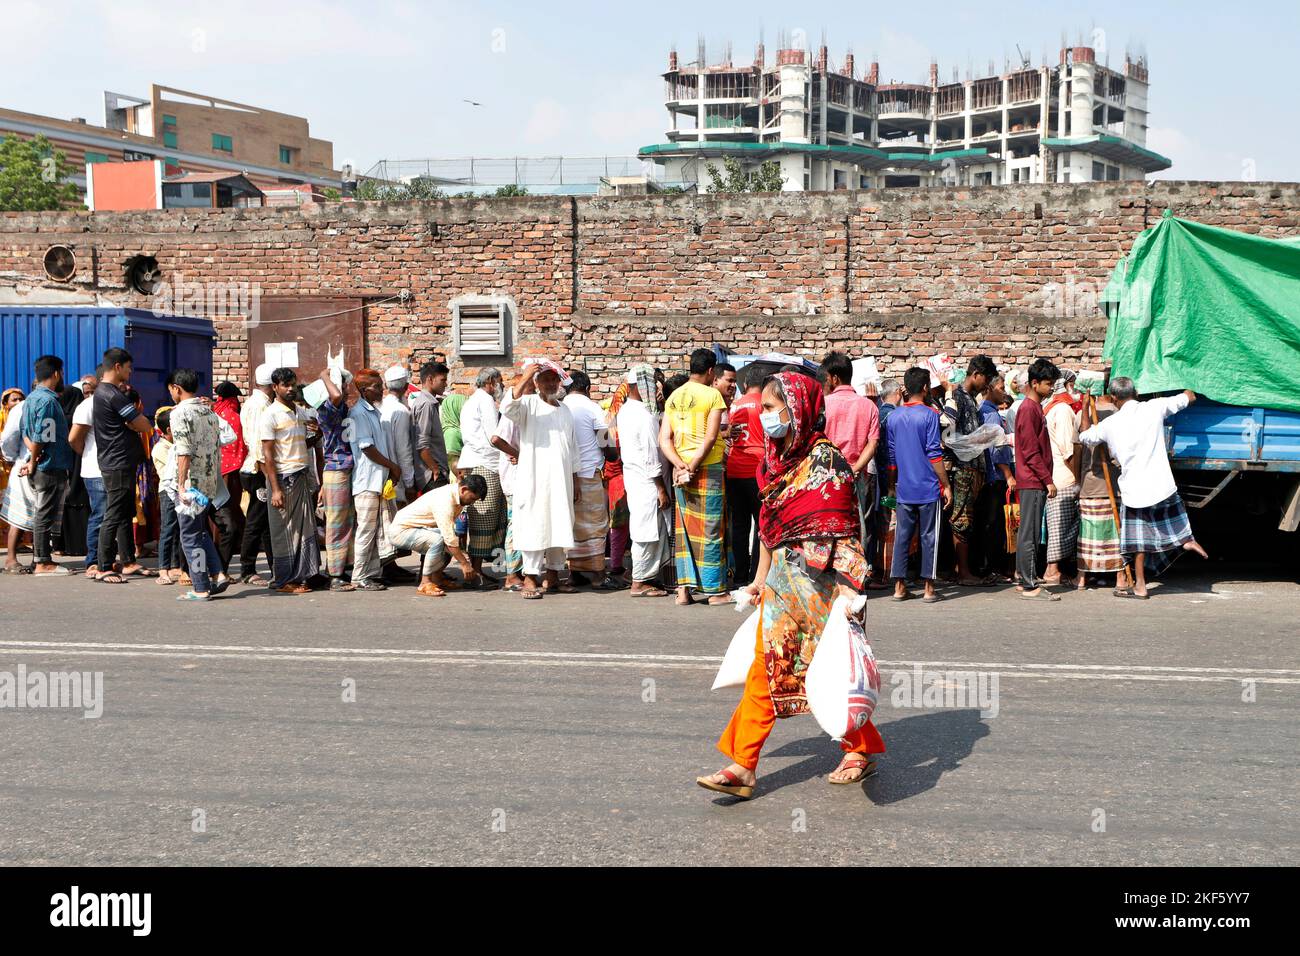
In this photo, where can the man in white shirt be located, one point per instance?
(257, 527)
(506, 441)
(399, 426)
(591, 514)
(548, 465)
(486, 518)
(647, 494)
(1155, 525)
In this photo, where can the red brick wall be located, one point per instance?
(899, 274)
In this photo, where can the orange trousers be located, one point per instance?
(755, 717)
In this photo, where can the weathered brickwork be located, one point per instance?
(899, 274)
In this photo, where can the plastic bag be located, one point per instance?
(843, 680)
(1011, 515)
(740, 654)
(967, 447)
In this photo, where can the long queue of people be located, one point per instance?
(654, 491)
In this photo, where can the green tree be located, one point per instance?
(507, 192)
(33, 176)
(376, 190)
(734, 178)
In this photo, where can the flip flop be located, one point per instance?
(649, 592)
(531, 594)
(18, 569)
(1132, 595)
(932, 599)
(868, 767)
(111, 577)
(59, 572)
(512, 588)
(905, 596)
(610, 584)
(140, 573)
(733, 788)
(1039, 594)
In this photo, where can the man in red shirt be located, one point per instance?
(1033, 476)
(853, 424)
(744, 452)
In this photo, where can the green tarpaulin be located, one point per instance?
(1213, 310)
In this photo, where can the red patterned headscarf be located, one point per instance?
(807, 488)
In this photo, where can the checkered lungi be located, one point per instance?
(1063, 524)
(487, 518)
(1159, 532)
(512, 561)
(1098, 537)
(340, 520)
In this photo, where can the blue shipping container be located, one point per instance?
(79, 336)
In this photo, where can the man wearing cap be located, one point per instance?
(257, 528)
(430, 445)
(400, 429)
(548, 462)
(335, 496)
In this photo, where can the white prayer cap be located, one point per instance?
(630, 378)
(262, 376)
(396, 375)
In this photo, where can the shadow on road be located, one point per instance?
(921, 749)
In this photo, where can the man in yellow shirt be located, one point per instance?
(427, 526)
(690, 440)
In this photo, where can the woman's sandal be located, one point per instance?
(734, 787)
(868, 767)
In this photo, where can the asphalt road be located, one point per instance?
(488, 730)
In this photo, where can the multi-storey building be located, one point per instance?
(190, 133)
(829, 128)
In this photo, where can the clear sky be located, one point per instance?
(387, 79)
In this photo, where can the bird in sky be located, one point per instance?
(472, 103)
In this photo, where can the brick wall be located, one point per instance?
(1013, 271)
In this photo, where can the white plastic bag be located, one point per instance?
(740, 654)
(966, 447)
(843, 681)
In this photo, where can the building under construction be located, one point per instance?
(830, 127)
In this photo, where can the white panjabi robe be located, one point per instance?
(543, 479)
(638, 442)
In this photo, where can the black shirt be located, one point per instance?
(116, 445)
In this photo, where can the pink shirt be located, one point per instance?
(851, 422)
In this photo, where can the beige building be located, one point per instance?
(191, 133)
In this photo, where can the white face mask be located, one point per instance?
(773, 427)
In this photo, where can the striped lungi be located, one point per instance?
(513, 560)
(19, 506)
(1098, 537)
(700, 531)
(295, 552)
(487, 517)
(1159, 532)
(590, 525)
(340, 520)
(1062, 524)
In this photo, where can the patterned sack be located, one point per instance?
(843, 680)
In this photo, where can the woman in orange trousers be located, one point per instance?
(810, 553)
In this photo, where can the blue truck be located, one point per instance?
(80, 335)
(1238, 468)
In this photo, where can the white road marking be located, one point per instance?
(381, 655)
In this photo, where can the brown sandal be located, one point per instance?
(734, 787)
(868, 767)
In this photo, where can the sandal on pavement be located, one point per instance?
(905, 596)
(531, 594)
(1039, 594)
(868, 767)
(734, 787)
(18, 569)
(430, 591)
(111, 577)
(193, 596)
(649, 592)
(1132, 595)
(254, 579)
(140, 573)
(932, 598)
(164, 578)
(59, 572)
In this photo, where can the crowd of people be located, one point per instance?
(531, 485)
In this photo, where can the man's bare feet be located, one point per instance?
(683, 599)
(1195, 547)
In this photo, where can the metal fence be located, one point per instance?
(518, 170)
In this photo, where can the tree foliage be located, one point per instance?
(33, 176)
(376, 190)
(734, 178)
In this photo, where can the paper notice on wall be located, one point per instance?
(865, 373)
(282, 354)
(939, 366)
